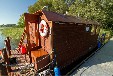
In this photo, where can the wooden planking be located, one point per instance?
(71, 41)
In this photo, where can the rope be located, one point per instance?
(45, 57)
(46, 65)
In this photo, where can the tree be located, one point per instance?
(39, 5)
(59, 6)
(21, 21)
(99, 10)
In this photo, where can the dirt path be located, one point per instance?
(101, 64)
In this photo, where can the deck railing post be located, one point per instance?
(6, 59)
(8, 46)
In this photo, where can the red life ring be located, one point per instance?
(43, 28)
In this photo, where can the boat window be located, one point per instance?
(87, 28)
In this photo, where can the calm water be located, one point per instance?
(2, 38)
(14, 42)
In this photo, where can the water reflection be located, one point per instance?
(2, 38)
(14, 42)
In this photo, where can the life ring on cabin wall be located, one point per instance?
(43, 28)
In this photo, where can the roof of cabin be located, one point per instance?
(57, 17)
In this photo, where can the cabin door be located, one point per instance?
(32, 22)
(33, 33)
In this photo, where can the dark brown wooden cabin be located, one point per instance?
(68, 37)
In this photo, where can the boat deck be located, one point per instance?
(22, 60)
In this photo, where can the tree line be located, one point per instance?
(8, 25)
(98, 10)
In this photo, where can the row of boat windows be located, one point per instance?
(93, 29)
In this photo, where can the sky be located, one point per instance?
(10, 10)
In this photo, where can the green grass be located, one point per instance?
(107, 31)
(13, 32)
(109, 34)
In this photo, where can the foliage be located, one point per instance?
(21, 21)
(59, 6)
(99, 10)
(14, 33)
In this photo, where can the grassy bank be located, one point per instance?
(13, 32)
(109, 33)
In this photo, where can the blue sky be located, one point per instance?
(10, 10)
